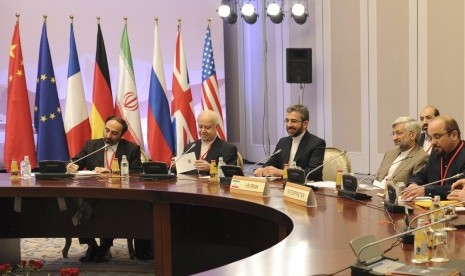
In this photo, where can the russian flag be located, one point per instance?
(160, 135)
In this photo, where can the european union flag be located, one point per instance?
(48, 121)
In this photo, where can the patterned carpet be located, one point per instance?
(49, 251)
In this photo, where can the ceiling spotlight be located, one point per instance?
(275, 12)
(248, 13)
(227, 13)
(298, 13)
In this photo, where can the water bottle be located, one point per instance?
(14, 171)
(25, 167)
(420, 244)
(339, 179)
(124, 166)
(115, 171)
(220, 163)
(213, 171)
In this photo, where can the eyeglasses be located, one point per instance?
(292, 121)
(397, 133)
(436, 136)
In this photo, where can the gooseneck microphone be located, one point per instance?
(363, 248)
(263, 160)
(383, 168)
(181, 156)
(433, 211)
(431, 183)
(322, 164)
(395, 208)
(87, 155)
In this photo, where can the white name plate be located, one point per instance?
(299, 194)
(249, 186)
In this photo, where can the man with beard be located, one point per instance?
(407, 157)
(306, 149)
(100, 162)
(447, 159)
(426, 115)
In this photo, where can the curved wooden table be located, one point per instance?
(199, 227)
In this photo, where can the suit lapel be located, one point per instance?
(287, 150)
(404, 163)
(302, 145)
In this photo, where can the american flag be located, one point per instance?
(210, 91)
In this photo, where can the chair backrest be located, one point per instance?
(330, 168)
(240, 160)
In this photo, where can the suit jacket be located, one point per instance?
(417, 159)
(131, 150)
(219, 148)
(432, 172)
(309, 155)
(421, 141)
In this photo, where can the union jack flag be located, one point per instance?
(182, 107)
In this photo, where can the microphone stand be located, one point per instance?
(395, 208)
(264, 159)
(383, 168)
(87, 155)
(408, 239)
(361, 267)
(322, 164)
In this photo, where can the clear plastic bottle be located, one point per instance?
(339, 180)
(124, 166)
(213, 171)
(438, 215)
(25, 167)
(115, 171)
(285, 176)
(14, 171)
(220, 163)
(420, 244)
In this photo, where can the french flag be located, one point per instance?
(77, 126)
(160, 135)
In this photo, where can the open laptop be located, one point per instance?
(52, 169)
(154, 170)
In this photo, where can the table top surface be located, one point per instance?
(318, 243)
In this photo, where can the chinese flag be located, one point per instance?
(19, 139)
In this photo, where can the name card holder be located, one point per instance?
(299, 194)
(249, 186)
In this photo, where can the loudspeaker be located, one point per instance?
(299, 65)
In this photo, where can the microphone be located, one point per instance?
(360, 261)
(430, 212)
(383, 168)
(184, 153)
(263, 160)
(395, 208)
(322, 164)
(87, 155)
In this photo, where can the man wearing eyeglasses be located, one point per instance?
(447, 159)
(407, 157)
(306, 149)
(426, 115)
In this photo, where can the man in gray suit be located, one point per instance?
(407, 158)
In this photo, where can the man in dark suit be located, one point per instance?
(407, 158)
(101, 161)
(447, 160)
(426, 115)
(210, 146)
(306, 149)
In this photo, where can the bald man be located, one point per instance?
(447, 159)
(210, 146)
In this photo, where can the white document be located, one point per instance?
(323, 184)
(185, 163)
(381, 185)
